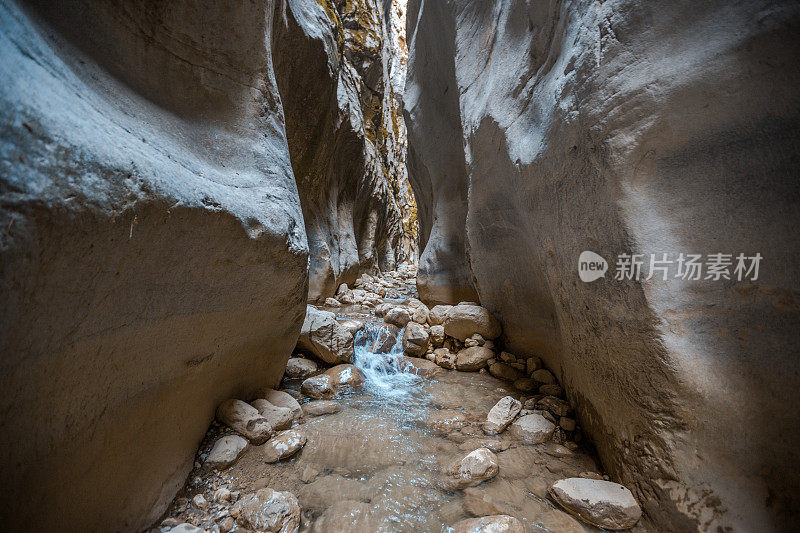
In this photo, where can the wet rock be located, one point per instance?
(353, 326)
(222, 495)
(445, 421)
(200, 502)
(278, 417)
(601, 503)
(507, 357)
(534, 429)
(475, 468)
(225, 452)
(463, 320)
(525, 384)
(347, 516)
(282, 399)
(345, 378)
(382, 309)
(492, 524)
(333, 302)
(471, 359)
(438, 314)
(532, 364)
(437, 335)
(419, 367)
(283, 445)
(269, 511)
(321, 407)
(323, 337)
(245, 420)
(415, 340)
(501, 415)
(543, 376)
(555, 405)
(398, 316)
(318, 387)
(519, 366)
(503, 371)
(444, 358)
(299, 368)
(170, 522)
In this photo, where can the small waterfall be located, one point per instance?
(376, 354)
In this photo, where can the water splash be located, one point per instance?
(377, 354)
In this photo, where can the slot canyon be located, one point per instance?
(450, 266)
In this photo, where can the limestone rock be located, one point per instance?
(543, 376)
(601, 503)
(437, 335)
(501, 415)
(321, 407)
(493, 524)
(225, 452)
(532, 364)
(283, 445)
(282, 399)
(398, 316)
(419, 367)
(503, 371)
(525, 384)
(278, 417)
(345, 378)
(555, 405)
(200, 502)
(353, 326)
(438, 314)
(299, 368)
(269, 511)
(463, 320)
(332, 302)
(418, 310)
(415, 340)
(444, 358)
(186, 527)
(471, 359)
(245, 420)
(551, 389)
(533, 428)
(323, 337)
(475, 468)
(318, 387)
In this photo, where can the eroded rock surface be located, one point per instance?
(538, 130)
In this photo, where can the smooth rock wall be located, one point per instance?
(540, 130)
(153, 256)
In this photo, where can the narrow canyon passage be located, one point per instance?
(372, 453)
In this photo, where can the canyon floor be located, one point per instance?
(378, 457)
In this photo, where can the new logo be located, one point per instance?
(591, 266)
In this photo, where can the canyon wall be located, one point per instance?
(346, 136)
(153, 248)
(538, 130)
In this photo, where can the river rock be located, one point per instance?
(489, 524)
(419, 367)
(438, 314)
(601, 503)
(501, 415)
(345, 378)
(471, 359)
(200, 502)
(437, 335)
(543, 376)
(446, 420)
(398, 316)
(567, 423)
(299, 368)
(478, 466)
(332, 302)
(352, 326)
(347, 516)
(283, 445)
(245, 420)
(525, 384)
(444, 358)
(415, 340)
(278, 417)
(282, 399)
(319, 387)
(551, 389)
(323, 337)
(269, 511)
(504, 371)
(382, 309)
(418, 310)
(321, 407)
(533, 428)
(555, 405)
(225, 452)
(186, 527)
(463, 320)
(532, 364)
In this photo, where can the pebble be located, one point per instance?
(321, 407)
(245, 420)
(543, 376)
(489, 524)
(601, 503)
(299, 368)
(533, 428)
(501, 415)
(269, 510)
(200, 502)
(475, 468)
(283, 445)
(225, 452)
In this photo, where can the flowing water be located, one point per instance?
(377, 464)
